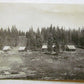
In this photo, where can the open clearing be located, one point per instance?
(36, 65)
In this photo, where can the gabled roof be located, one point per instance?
(22, 48)
(71, 47)
(6, 48)
(44, 46)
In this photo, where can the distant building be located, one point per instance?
(6, 73)
(70, 48)
(53, 46)
(44, 47)
(22, 49)
(6, 48)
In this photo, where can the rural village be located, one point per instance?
(51, 53)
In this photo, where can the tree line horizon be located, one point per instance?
(49, 35)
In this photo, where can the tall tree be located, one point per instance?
(38, 39)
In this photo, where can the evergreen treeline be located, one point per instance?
(47, 35)
(9, 36)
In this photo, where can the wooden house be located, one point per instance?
(6, 48)
(70, 48)
(44, 48)
(22, 49)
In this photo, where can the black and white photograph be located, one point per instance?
(42, 40)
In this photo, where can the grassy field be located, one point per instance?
(36, 65)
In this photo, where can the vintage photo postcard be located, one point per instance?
(41, 41)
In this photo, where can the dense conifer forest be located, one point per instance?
(35, 39)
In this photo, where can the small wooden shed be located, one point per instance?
(6, 48)
(44, 47)
(70, 48)
(22, 49)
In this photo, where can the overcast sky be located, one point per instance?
(25, 15)
(47, 1)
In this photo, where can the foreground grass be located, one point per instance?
(36, 65)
